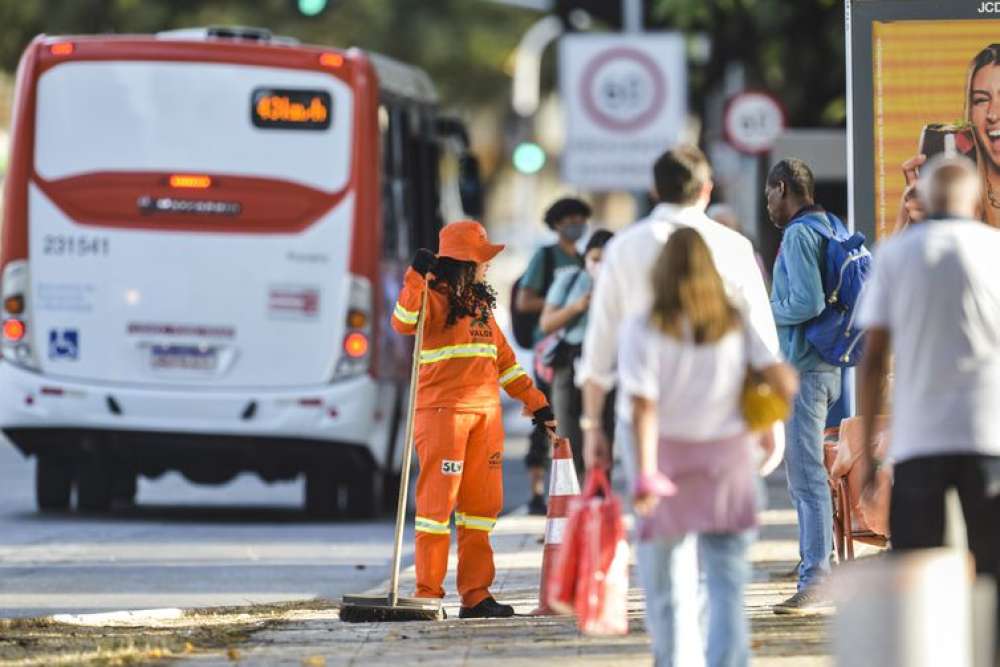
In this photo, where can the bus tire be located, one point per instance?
(124, 485)
(391, 482)
(53, 482)
(363, 495)
(93, 488)
(321, 494)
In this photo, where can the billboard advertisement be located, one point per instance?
(923, 78)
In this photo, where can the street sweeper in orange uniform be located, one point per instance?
(458, 428)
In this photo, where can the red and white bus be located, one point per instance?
(203, 232)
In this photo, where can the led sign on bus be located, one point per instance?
(290, 109)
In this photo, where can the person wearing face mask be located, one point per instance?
(565, 312)
(567, 217)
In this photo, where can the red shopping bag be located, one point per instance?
(592, 566)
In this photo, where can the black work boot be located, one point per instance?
(488, 608)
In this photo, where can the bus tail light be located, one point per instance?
(195, 181)
(14, 305)
(15, 344)
(62, 49)
(330, 59)
(356, 356)
(13, 330)
(356, 345)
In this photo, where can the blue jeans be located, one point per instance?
(684, 631)
(807, 478)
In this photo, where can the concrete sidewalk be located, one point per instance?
(319, 638)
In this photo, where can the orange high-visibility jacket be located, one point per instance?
(464, 365)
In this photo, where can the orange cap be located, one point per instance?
(466, 241)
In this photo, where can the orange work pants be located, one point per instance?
(461, 470)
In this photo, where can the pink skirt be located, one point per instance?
(716, 488)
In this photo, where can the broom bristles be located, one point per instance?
(350, 613)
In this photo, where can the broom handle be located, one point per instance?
(404, 482)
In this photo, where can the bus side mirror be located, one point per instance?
(470, 187)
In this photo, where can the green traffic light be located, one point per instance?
(529, 158)
(312, 7)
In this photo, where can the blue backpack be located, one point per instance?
(846, 263)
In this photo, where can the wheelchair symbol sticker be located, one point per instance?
(64, 344)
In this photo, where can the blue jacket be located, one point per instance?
(797, 293)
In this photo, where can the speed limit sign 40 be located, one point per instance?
(753, 121)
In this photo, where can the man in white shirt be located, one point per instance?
(683, 181)
(623, 289)
(933, 302)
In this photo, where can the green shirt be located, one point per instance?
(534, 275)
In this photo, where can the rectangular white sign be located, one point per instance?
(625, 102)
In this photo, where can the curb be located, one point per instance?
(137, 617)
(121, 619)
(144, 617)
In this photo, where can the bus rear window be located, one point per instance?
(138, 116)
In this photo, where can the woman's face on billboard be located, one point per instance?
(984, 103)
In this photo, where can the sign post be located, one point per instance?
(625, 100)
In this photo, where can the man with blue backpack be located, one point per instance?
(818, 276)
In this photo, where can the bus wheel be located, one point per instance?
(93, 488)
(124, 485)
(53, 482)
(363, 495)
(390, 490)
(321, 494)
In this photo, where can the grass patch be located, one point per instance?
(31, 642)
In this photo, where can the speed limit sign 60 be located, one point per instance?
(753, 121)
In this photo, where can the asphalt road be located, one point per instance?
(184, 545)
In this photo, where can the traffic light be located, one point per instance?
(528, 157)
(312, 8)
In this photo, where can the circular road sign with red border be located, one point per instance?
(753, 121)
(623, 89)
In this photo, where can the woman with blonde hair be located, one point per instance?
(684, 366)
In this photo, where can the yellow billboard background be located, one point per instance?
(919, 77)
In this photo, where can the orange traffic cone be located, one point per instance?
(563, 486)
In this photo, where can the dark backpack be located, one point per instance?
(845, 265)
(524, 324)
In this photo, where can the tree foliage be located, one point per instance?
(463, 44)
(792, 48)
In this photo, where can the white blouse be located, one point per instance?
(697, 387)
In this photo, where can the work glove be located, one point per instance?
(542, 416)
(423, 261)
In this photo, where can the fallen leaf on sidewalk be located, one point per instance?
(314, 661)
(232, 654)
(188, 647)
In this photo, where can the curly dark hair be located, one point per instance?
(466, 297)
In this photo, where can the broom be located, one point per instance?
(391, 607)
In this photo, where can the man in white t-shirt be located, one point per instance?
(933, 302)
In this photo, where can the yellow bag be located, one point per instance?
(761, 405)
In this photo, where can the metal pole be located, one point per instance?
(632, 22)
(525, 92)
(632, 16)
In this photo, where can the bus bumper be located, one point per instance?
(353, 412)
